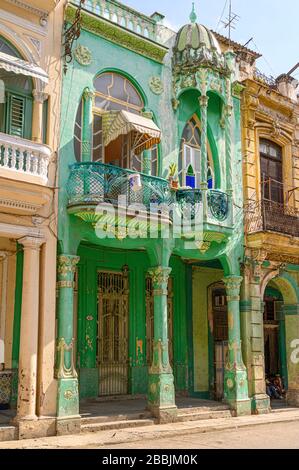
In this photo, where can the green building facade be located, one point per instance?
(146, 307)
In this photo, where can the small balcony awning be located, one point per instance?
(18, 66)
(145, 132)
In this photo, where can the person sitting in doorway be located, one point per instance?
(272, 391)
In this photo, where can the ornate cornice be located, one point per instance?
(43, 14)
(119, 35)
(19, 205)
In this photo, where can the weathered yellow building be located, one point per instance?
(270, 313)
(30, 87)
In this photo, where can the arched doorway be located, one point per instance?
(273, 303)
(281, 327)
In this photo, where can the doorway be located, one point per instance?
(220, 336)
(113, 330)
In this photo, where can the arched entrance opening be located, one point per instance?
(273, 334)
(280, 295)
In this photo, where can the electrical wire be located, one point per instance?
(222, 14)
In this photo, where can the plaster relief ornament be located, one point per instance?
(156, 85)
(82, 55)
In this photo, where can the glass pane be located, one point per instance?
(102, 83)
(134, 97)
(4, 47)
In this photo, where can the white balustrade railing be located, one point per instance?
(24, 156)
(122, 15)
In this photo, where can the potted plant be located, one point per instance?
(173, 176)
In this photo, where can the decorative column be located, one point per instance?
(37, 115)
(161, 393)
(228, 111)
(203, 101)
(235, 375)
(147, 154)
(253, 311)
(67, 395)
(87, 134)
(147, 162)
(26, 408)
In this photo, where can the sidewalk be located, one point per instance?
(121, 436)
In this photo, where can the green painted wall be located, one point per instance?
(202, 279)
(94, 259)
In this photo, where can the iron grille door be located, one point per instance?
(113, 308)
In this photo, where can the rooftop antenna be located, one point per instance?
(231, 21)
(293, 69)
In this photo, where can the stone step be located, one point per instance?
(114, 418)
(95, 427)
(203, 415)
(200, 409)
(8, 433)
(283, 409)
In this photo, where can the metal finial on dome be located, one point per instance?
(193, 16)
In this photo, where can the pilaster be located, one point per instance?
(67, 395)
(161, 393)
(235, 375)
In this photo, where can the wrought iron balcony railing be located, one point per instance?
(92, 183)
(218, 203)
(272, 216)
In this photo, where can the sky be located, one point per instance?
(273, 25)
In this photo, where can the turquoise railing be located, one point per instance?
(92, 183)
(122, 15)
(217, 202)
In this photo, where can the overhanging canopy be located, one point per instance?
(146, 133)
(21, 67)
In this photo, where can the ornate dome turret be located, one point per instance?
(196, 45)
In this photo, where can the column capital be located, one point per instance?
(159, 275)
(40, 96)
(232, 285)
(88, 94)
(203, 100)
(66, 264)
(33, 243)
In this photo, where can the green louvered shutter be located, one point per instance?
(16, 115)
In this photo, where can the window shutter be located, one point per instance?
(16, 115)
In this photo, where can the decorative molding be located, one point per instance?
(40, 96)
(118, 35)
(17, 20)
(36, 43)
(83, 55)
(156, 85)
(43, 14)
(33, 243)
(62, 371)
(19, 205)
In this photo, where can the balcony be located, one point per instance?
(217, 202)
(23, 160)
(123, 16)
(272, 216)
(90, 184)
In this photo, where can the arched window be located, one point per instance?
(113, 93)
(271, 171)
(190, 155)
(15, 98)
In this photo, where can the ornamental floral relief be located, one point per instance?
(83, 55)
(156, 85)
